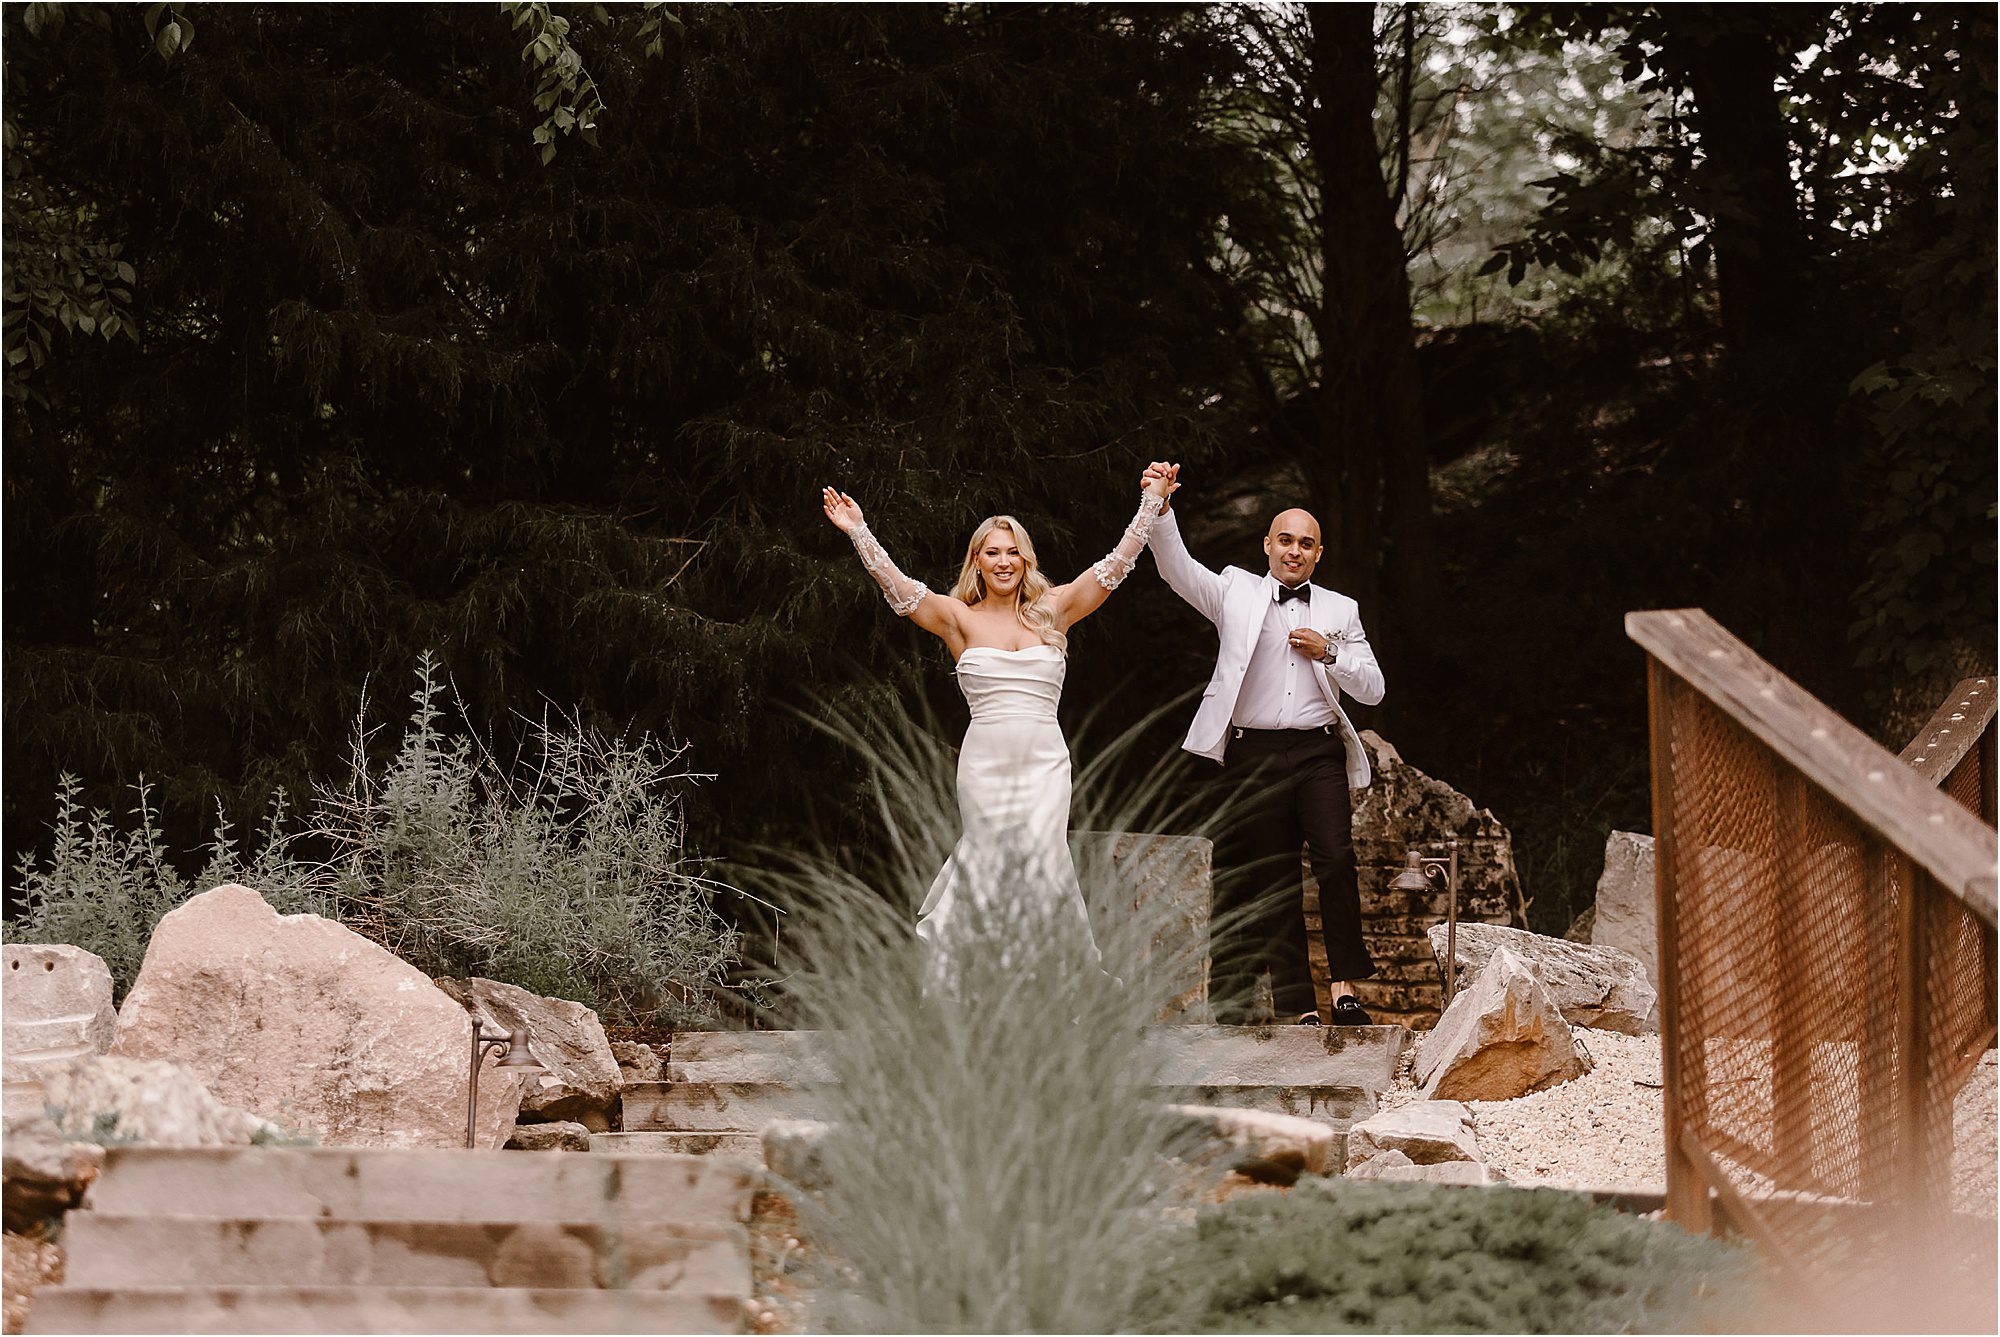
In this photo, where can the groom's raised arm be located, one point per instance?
(1188, 578)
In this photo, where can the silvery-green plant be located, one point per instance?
(1000, 1159)
(102, 889)
(563, 870)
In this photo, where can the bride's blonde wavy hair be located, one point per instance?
(1035, 615)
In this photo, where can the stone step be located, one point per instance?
(374, 1184)
(427, 1309)
(1356, 1056)
(741, 1146)
(1336, 1106)
(105, 1251)
(714, 1107)
(1190, 1055)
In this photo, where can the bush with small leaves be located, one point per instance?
(564, 872)
(1340, 1256)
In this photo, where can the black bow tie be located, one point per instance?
(1298, 591)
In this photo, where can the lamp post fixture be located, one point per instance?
(1416, 876)
(517, 1058)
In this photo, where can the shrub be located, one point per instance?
(564, 873)
(103, 890)
(1342, 1256)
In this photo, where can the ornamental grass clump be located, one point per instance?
(999, 1161)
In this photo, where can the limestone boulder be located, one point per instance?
(1602, 988)
(562, 1136)
(44, 1173)
(116, 1100)
(1624, 915)
(637, 1062)
(1268, 1147)
(1426, 1132)
(55, 1005)
(1502, 1037)
(306, 1023)
(582, 1082)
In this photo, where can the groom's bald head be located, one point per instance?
(1292, 545)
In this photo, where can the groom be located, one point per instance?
(1271, 716)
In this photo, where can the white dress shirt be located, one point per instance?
(1278, 687)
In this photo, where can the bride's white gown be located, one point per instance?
(1013, 795)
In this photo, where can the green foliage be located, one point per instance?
(102, 890)
(398, 385)
(564, 90)
(566, 873)
(1927, 606)
(171, 31)
(1338, 1256)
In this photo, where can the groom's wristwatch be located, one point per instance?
(1327, 657)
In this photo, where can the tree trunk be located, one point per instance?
(1367, 469)
(1759, 241)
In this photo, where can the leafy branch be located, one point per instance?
(565, 91)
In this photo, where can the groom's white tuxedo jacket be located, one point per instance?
(1236, 601)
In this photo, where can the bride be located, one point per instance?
(1007, 626)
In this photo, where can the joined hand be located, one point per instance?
(1161, 479)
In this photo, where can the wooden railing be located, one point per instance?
(1954, 750)
(1825, 923)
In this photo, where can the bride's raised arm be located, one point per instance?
(911, 598)
(1087, 593)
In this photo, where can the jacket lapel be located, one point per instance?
(1256, 603)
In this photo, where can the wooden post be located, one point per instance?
(1881, 1038)
(1910, 1028)
(1687, 1187)
(1799, 903)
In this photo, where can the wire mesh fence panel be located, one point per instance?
(1824, 993)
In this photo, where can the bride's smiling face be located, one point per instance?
(1000, 563)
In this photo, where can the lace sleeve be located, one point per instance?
(1112, 568)
(903, 593)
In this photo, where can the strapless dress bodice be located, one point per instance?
(1024, 684)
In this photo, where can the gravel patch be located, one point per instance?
(1975, 1126)
(1604, 1129)
(1600, 1130)
(28, 1264)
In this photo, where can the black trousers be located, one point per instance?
(1288, 788)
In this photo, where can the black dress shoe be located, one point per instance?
(1308, 1019)
(1348, 1012)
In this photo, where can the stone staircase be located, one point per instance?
(722, 1087)
(339, 1240)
